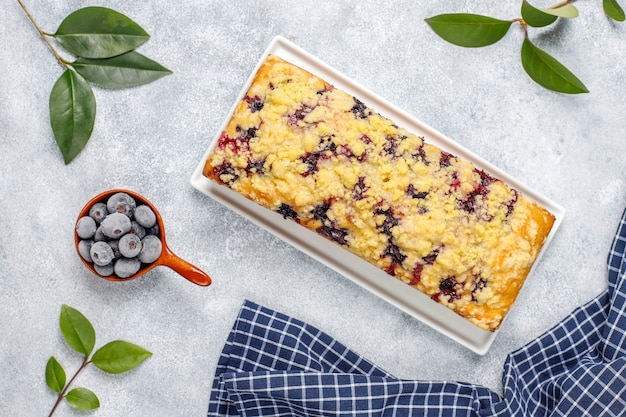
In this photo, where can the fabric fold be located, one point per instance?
(276, 365)
(297, 393)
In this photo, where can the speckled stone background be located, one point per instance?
(149, 139)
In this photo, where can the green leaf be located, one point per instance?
(77, 330)
(126, 70)
(119, 356)
(568, 11)
(613, 10)
(469, 30)
(548, 72)
(536, 17)
(99, 32)
(72, 113)
(55, 375)
(82, 399)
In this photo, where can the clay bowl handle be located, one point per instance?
(183, 268)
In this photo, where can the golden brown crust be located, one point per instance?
(320, 157)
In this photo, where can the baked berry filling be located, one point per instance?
(311, 160)
(336, 234)
(445, 159)
(419, 267)
(416, 194)
(255, 166)
(320, 211)
(420, 155)
(288, 212)
(431, 257)
(299, 114)
(239, 144)
(360, 110)
(393, 252)
(246, 134)
(391, 145)
(225, 173)
(358, 192)
(511, 204)
(325, 150)
(472, 203)
(254, 103)
(448, 287)
(417, 274)
(479, 284)
(236, 145)
(455, 182)
(328, 229)
(389, 221)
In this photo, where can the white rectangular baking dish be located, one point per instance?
(407, 299)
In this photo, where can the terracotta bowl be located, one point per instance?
(167, 257)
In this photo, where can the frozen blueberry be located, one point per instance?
(83, 249)
(151, 248)
(125, 267)
(121, 203)
(115, 245)
(130, 245)
(101, 253)
(86, 227)
(115, 225)
(99, 236)
(105, 270)
(137, 229)
(98, 212)
(154, 230)
(145, 216)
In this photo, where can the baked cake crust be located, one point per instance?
(320, 157)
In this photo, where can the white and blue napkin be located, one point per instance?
(275, 365)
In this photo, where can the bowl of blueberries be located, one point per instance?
(119, 236)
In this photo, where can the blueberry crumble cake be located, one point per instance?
(320, 157)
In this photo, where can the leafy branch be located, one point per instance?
(473, 30)
(103, 42)
(115, 357)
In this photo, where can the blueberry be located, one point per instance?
(86, 227)
(115, 225)
(125, 267)
(98, 212)
(130, 245)
(254, 103)
(83, 249)
(121, 203)
(105, 270)
(115, 245)
(99, 236)
(151, 248)
(101, 253)
(154, 230)
(137, 229)
(145, 216)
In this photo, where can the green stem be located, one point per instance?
(62, 393)
(43, 35)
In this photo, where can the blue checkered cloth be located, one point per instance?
(275, 365)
